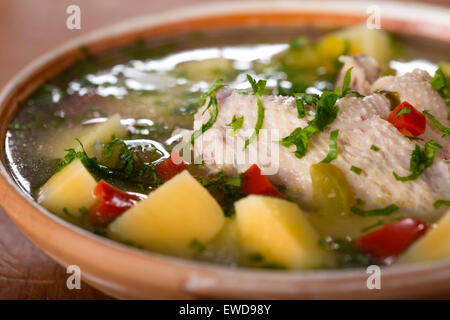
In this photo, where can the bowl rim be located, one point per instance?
(429, 14)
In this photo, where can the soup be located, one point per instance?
(285, 149)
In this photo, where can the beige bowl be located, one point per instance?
(126, 272)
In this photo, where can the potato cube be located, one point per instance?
(68, 190)
(433, 245)
(278, 231)
(177, 214)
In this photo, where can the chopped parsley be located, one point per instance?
(440, 83)
(346, 86)
(332, 153)
(236, 124)
(413, 138)
(255, 257)
(374, 148)
(67, 213)
(441, 202)
(130, 166)
(445, 130)
(403, 111)
(197, 245)
(212, 107)
(302, 99)
(356, 169)
(226, 189)
(200, 101)
(347, 254)
(213, 112)
(326, 112)
(375, 212)
(420, 160)
(258, 90)
(380, 223)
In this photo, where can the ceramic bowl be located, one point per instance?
(125, 272)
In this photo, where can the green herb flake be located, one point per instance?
(130, 167)
(212, 107)
(67, 213)
(348, 255)
(375, 212)
(258, 90)
(420, 160)
(346, 86)
(441, 202)
(255, 257)
(213, 113)
(226, 189)
(374, 148)
(403, 111)
(445, 130)
(236, 124)
(360, 202)
(380, 223)
(300, 108)
(413, 138)
(333, 152)
(211, 91)
(197, 245)
(439, 83)
(326, 112)
(356, 170)
(377, 224)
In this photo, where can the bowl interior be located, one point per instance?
(155, 275)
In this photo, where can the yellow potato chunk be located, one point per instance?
(278, 232)
(175, 216)
(68, 190)
(372, 42)
(102, 132)
(433, 245)
(87, 135)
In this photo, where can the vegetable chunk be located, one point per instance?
(278, 231)
(171, 218)
(374, 43)
(434, 245)
(385, 243)
(103, 132)
(68, 191)
(331, 191)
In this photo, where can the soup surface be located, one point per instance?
(295, 148)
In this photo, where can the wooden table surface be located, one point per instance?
(29, 28)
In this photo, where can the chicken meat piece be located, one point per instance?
(365, 70)
(362, 123)
(415, 88)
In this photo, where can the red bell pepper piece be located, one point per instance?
(170, 167)
(111, 203)
(253, 182)
(385, 243)
(409, 122)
